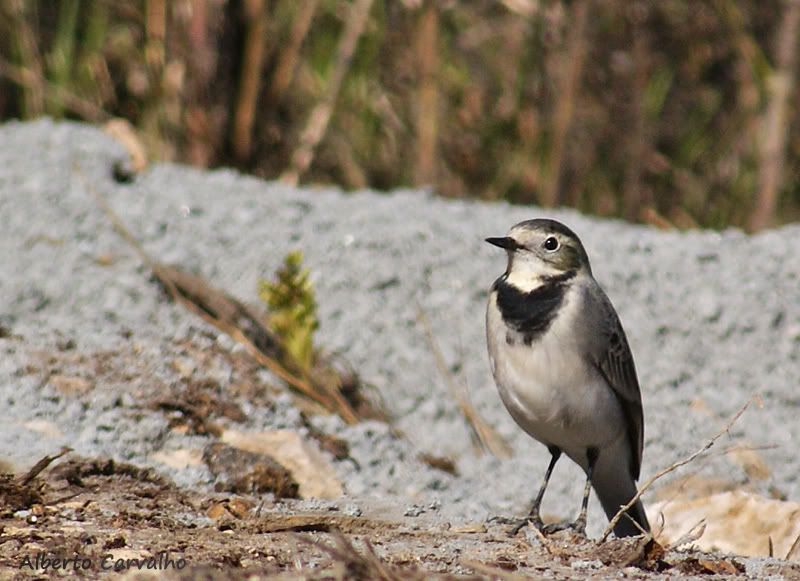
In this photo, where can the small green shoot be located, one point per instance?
(292, 308)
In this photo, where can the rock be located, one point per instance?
(308, 466)
(736, 522)
(243, 471)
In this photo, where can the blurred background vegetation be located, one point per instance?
(673, 112)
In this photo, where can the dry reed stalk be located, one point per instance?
(427, 114)
(567, 93)
(320, 116)
(775, 127)
(250, 79)
(156, 30)
(672, 467)
(632, 201)
(27, 79)
(25, 43)
(287, 59)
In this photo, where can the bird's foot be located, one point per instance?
(521, 523)
(578, 527)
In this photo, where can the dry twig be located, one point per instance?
(671, 468)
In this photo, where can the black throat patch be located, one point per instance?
(531, 314)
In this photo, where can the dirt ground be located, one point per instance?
(88, 516)
(115, 517)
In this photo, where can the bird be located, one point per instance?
(564, 369)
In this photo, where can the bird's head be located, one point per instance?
(541, 249)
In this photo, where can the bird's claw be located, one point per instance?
(520, 524)
(578, 527)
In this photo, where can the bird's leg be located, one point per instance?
(580, 524)
(533, 516)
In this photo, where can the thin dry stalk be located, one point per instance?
(427, 115)
(775, 126)
(567, 94)
(482, 432)
(287, 59)
(250, 80)
(671, 468)
(320, 116)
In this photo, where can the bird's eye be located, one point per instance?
(551, 244)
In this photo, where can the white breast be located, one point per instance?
(549, 387)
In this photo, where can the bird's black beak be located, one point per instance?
(507, 242)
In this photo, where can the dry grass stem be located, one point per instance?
(671, 468)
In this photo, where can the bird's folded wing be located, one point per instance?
(615, 363)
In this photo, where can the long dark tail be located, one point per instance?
(615, 487)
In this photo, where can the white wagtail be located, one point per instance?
(563, 367)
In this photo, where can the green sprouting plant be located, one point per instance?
(292, 308)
